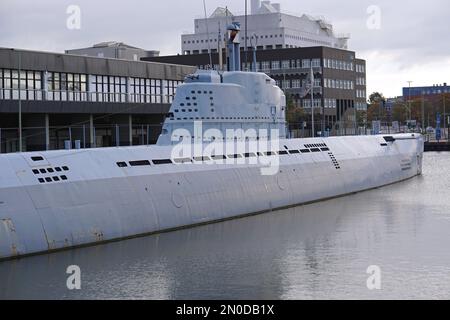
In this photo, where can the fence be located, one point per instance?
(63, 137)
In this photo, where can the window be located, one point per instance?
(162, 161)
(275, 65)
(316, 63)
(286, 84)
(285, 64)
(265, 65)
(139, 163)
(67, 86)
(30, 84)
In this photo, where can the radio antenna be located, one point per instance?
(207, 32)
(246, 37)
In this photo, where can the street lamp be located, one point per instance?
(20, 98)
(445, 119)
(409, 99)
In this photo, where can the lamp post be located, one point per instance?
(312, 99)
(20, 101)
(445, 119)
(423, 112)
(409, 99)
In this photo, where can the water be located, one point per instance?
(318, 251)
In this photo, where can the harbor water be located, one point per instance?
(317, 251)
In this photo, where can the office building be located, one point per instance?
(79, 101)
(114, 49)
(271, 28)
(339, 85)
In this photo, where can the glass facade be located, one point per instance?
(109, 89)
(66, 87)
(62, 86)
(30, 84)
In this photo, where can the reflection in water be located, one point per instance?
(316, 251)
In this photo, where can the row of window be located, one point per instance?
(361, 106)
(297, 83)
(361, 94)
(338, 84)
(288, 64)
(30, 84)
(265, 36)
(360, 81)
(338, 64)
(360, 68)
(266, 66)
(62, 86)
(66, 86)
(319, 42)
(139, 163)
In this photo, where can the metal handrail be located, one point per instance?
(64, 95)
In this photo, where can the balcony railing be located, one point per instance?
(292, 70)
(61, 95)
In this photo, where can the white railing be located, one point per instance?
(63, 95)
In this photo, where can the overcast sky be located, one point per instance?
(413, 42)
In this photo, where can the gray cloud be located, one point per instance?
(412, 41)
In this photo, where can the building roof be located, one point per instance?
(221, 12)
(114, 44)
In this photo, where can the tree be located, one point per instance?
(294, 113)
(376, 109)
(376, 97)
(399, 111)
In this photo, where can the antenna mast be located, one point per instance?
(245, 49)
(207, 32)
(219, 41)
